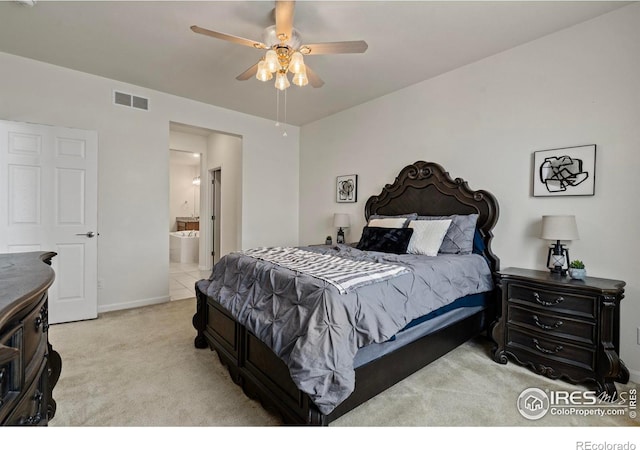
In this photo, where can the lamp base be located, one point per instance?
(558, 271)
(340, 237)
(558, 259)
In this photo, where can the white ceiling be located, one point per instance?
(150, 44)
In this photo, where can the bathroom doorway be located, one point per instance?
(184, 234)
(216, 197)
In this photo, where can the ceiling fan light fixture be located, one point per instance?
(282, 82)
(300, 78)
(271, 38)
(271, 60)
(296, 65)
(263, 73)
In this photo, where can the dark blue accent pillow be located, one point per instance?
(387, 240)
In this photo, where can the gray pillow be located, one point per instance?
(409, 217)
(459, 237)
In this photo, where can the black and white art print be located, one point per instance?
(564, 171)
(347, 188)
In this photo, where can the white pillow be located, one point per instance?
(388, 222)
(427, 236)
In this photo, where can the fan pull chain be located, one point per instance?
(284, 134)
(277, 108)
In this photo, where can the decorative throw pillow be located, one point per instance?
(427, 236)
(388, 222)
(397, 221)
(388, 240)
(459, 237)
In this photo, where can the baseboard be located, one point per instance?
(133, 304)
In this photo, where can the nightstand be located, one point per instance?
(561, 328)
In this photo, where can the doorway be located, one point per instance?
(184, 232)
(220, 209)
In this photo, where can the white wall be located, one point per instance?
(133, 169)
(483, 122)
(225, 153)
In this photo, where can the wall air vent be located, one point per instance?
(132, 101)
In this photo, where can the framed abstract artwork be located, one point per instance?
(564, 171)
(347, 188)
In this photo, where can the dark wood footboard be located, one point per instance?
(265, 377)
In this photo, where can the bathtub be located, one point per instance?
(183, 246)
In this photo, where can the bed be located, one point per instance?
(333, 346)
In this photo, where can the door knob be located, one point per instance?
(88, 234)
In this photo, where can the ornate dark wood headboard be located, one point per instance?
(427, 189)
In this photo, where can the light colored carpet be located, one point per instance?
(139, 367)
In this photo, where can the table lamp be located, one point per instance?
(341, 221)
(559, 228)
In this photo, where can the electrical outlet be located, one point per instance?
(100, 287)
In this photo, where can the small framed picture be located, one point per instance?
(564, 171)
(347, 188)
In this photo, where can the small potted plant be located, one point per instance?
(577, 270)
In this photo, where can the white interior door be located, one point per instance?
(48, 202)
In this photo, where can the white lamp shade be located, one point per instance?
(296, 65)
(282, 82)
(300, 79)
(263, 73)
(341, 220)
(271, 60)
(559, 228)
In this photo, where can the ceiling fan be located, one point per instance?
(285, 51)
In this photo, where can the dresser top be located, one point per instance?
(23, 276)
(545, 276)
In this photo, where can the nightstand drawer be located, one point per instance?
(553, 325)
(562, 302)
(540, 348)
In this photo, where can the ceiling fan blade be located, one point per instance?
(250, 72)
(326, 48)
(284, 19)
(314, 79)
(228, 37)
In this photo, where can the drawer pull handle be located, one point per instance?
(546, 350)
(545, 302)
(42, 319)
(35, 420)
(544, 326)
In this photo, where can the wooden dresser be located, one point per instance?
(29, 367)
(562, 328)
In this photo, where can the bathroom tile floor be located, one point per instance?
(183, 279)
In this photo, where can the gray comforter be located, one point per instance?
(316, 330)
